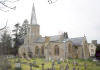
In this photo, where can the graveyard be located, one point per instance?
(42, 64)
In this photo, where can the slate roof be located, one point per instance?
(52, 38)
(55, 38)
(77, 41)
(42, 39)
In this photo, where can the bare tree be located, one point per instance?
(6, 5)
(4, 26)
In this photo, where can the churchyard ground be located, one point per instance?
(41, 64)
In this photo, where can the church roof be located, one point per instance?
(77, 41)
(57, 38)
(41, 39)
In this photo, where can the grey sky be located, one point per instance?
(77, 17)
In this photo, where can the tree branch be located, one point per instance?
(4, 26)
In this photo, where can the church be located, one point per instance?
(51, 47)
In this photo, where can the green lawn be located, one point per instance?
(90, 65)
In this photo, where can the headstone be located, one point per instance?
(34, 62)
(77, 68)
(30, 66)
(67, 67)
(18, 66)
(77, 64)
(42, 66)
(74, 68)
(53, 65)
(61, 67)
(74, 63)
(85, 66)
(58, 61)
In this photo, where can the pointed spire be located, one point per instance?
(33, 15)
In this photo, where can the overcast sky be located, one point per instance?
(77, 17)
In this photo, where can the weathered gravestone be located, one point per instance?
(61, 67)
(74, 68)
(42, 66)
(77, 68)
(4, 63)
(67, 67)
(17, 66)
(85, 66)
(58, 61)
(34, 62)
(30, 66)
(76, 64)
(53, 63)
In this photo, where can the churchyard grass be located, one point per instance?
(25, 64)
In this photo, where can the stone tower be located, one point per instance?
(35, 28)
(94, 42)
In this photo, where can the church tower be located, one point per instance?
(35, 28)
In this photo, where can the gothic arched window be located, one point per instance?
(56, 50)
(69, 47)
(42, 50)
(36, 50)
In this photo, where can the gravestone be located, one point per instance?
(77, 68)
(61, 67)
(67, 67)
(30, 66)
(85, 66)
(77, 64)
(74, 68)
(17, 66)
(58, 61)
(42, 66)
(34, 62)
(53, 63)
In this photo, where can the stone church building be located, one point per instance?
(51, 47)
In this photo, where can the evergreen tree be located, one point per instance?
(6, 43)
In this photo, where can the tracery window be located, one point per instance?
(56, 50)
(36, 50)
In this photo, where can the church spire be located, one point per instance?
(33, 15)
